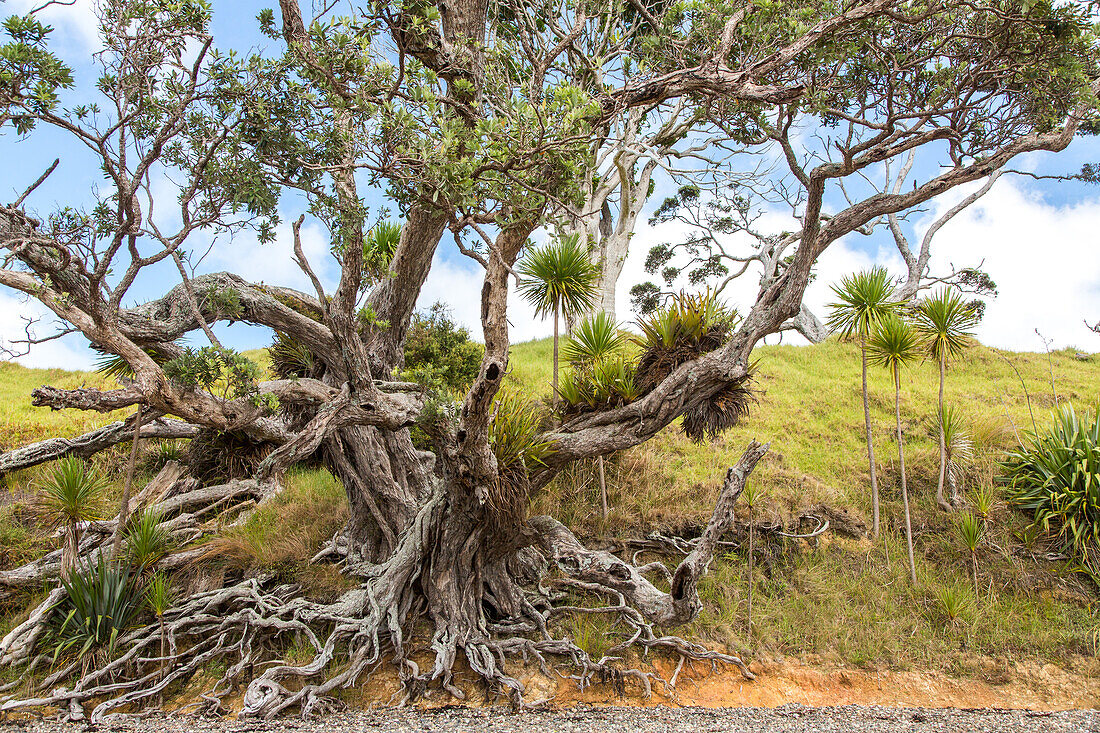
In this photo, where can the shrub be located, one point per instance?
(1055, 477)
(513, 435)
(953, 603)
(147, 541)
(439, 353)
(100, 604)
(215, 455)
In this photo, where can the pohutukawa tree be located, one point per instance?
(475, 125)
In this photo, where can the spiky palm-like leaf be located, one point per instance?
(893, 344)
(863, 299)
(159, 594)
(970, 530)
(1055, 476)
(958, 444)
(946, 322)
(379, 246)
(688, 326)
(148, 541)
(559, 277)
(514, 428)
(290, 358)
(594, 338)
(70, 493)
(100, 604)
(115, 367)
(953, 603)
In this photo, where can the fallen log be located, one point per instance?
(90, 443)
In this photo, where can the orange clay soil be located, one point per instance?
(994, 684)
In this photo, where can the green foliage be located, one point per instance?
(1055, 477)
(893, 344)
(234, 375)
(379, 246)
(148, 541)
(970, 530)
(602, 374)
(953, 603)
(71, 492)
(863, 299)
(514, 429)
(946, 322)
(159, 594)
(606, 383)
(558, 277)
(29, 73)
(164, 451)
(225, 302)
(688, 326)
(291, 359)
(439, 353)
(593, 339)
(100, 604)
(513, 434)
(984, 500)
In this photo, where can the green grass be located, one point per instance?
(287, 531)
(21, 423)
(839, 599)
(810, 409)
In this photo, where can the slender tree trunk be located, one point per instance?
(70, 551)
(752, 533)
(943, 443)
(904, 489)
(603, 488)
(555, 398)
(974, 572)
(124, 503)
(870, 441)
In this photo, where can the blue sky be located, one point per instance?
(1037, 239)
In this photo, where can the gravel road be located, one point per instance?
(785, 719)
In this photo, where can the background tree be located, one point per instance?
(559, 279)
(894, 344)
(863, 301)
(475, 125)
(946, 322)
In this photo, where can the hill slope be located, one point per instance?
(832, 597)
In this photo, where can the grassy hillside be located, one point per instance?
(839, 599)
(836, 598)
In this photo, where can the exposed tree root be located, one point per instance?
(512, 617)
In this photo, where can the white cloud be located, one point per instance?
(76, 26)
(1044, 259)
(459, 286)
(68, 352)
(273, 262)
